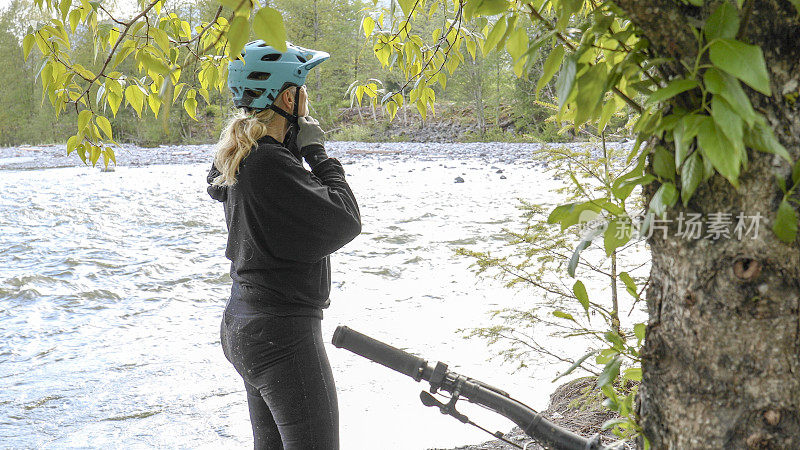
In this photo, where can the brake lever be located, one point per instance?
(449, 408)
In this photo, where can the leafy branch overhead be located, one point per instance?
(601, 65)
(174, 61)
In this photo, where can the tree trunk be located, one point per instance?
(317, 73)
(721, 360)
(475, 71)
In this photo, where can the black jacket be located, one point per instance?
(283, 222)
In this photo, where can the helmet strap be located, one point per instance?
(290, 140)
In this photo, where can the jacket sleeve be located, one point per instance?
(304, 216)
(218, 193)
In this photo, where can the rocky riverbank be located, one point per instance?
(27, 157)
(576, 406)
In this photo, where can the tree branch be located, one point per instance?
(638, 108)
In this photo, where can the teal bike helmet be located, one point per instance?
(263, 72)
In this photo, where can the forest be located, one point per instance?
(487, 99)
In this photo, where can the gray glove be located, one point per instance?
(309, 132)
(310, 140)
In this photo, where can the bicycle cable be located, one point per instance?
(449, 409)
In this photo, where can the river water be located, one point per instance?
(112, 286)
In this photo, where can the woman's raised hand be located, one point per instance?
(310, 141)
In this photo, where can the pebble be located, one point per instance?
(447, 154)
(459, 180)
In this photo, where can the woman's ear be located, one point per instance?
(287, 97)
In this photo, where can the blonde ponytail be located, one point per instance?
(237, 140)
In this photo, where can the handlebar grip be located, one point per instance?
(377, 351)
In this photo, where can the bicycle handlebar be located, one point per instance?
(532, 423)
(377, 351)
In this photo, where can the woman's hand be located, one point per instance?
(310, 141)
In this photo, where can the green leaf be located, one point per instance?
(517, 43)
(111, 156)
(723, 23)
(190, 105)
(617, 234)
(728, 121)
(27, 44)
(563, 315)
(633, 374)
(161, 38)
(83, 119)
(81, 148)
(611, 423)
(590, 87)
(639, 330)
(571, 213)
(622, 188)
(490, 7)
(104, 125)
(114, 101)
(583, 245)
(691, 176)
(551, 66)
(664, 164)
(681, 142)
(664, 197)
(94, 154)
(494, 36)
(575, 365)
(630, 285)
(761, 138)
(728, 87)
(152, 63)
(135, 98)
(672, 89)
(72, 143)
(610, 373)
(74, 19)
(64, 8)
(237, 36)
(785, 226)
(614, 338)
(745, 62)
(796, 172)
(716, 149)
(268, 25)
(368, 24)
(580, 292)
(406, 6)
(566, 80)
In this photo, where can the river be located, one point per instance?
(112, 285)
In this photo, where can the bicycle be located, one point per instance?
(458, 386)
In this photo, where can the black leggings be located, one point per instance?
(289, 383)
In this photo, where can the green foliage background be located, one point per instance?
(487, 95)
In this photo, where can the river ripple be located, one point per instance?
(112, 286)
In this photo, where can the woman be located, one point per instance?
(283, 222)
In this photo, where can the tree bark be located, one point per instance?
(721, 360)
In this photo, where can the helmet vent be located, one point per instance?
(254, 93)
(302, 60)
(260, 76)
(271, 57)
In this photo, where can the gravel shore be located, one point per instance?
(574, 405)
(26, 157)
